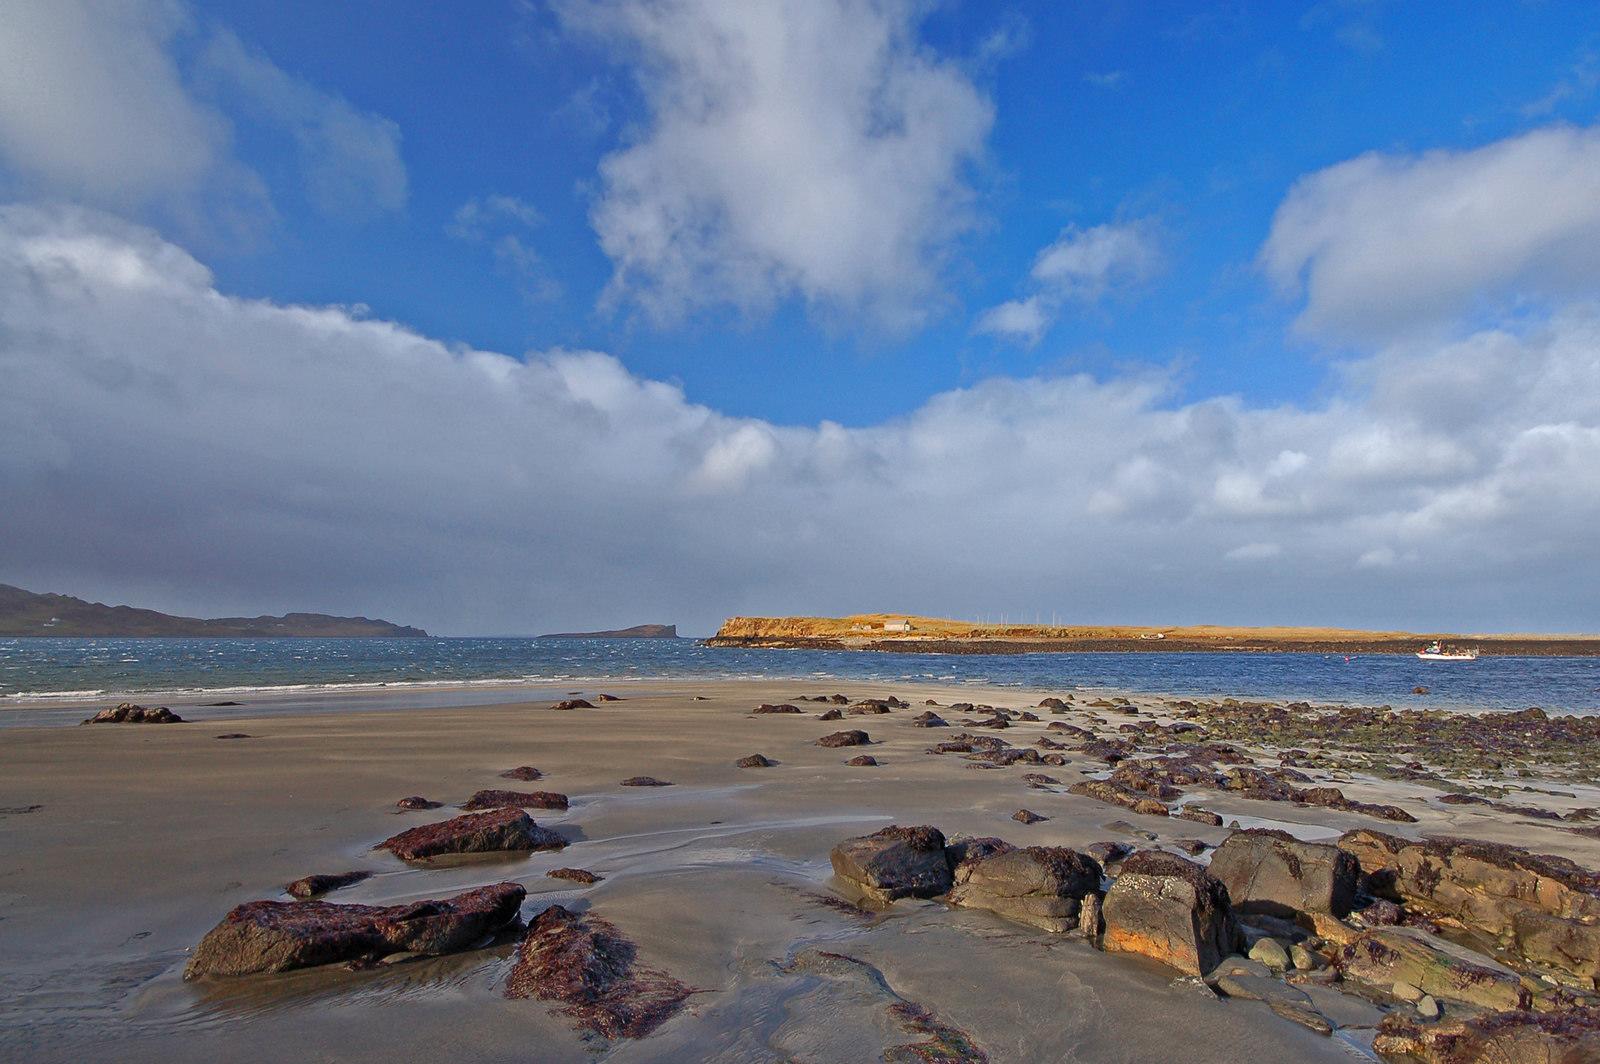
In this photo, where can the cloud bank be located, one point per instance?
(810, 148)
(165, 442)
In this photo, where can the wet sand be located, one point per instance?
(146, 835)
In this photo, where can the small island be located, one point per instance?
(910, 634)
(638, 631)
(27, 613)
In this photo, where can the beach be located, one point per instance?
(126, 843)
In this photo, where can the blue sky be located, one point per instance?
(1244, 312)
(1102, 112)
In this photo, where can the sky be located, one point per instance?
(532, 315)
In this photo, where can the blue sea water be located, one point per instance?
(90, 669)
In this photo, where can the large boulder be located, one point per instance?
(276, 936)
(1545, 908)
(1384, 956)
(1571, 1037)
(496, 830)
(585, 964)
(1272, 872)
(1040, 885)
(895, 863)
(1171, 910)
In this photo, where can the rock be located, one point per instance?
(576, 875)
(1545, 908)
(1032, 718)
(1247, 986)
(491, 832)
(415, 803)
(311, 886)
(235, 735)
(1198, 815)
(853, 737)
(274, 936)
(1270, 951)
(574, 703)
(1026, 816)
(1105, 791)
(128, 713)
(928, 719)
(1039, 779)
(1385, 956)
(832, 714)
(1404, 991)
(1304, 1015)
(768, 708)
(515, 800)
(1428, 1008)
(645, 781)
(1041, 886)
(1052, 703)
(1192, 847)
(525, 773)
(1089, 922)
(1108, 852)
(1510, 1037)
(1171, 910)
(863, 761)
(755, 761)
(1305, 960)
(869, 706)
(1380, 913)
(895, 863)
(609, 698)
(963, 850)
(1272, 872)
(587, 965)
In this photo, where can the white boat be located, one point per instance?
(1437, 651)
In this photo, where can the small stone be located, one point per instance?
(576, 875)
(1304, 959)
(1270, 951)
(853, 737)
(525, 773)
(862, 761)
(645, 781)
(1027, 816)
(574, 703)
(1428, 1008)
(416, 802)
(755, 761)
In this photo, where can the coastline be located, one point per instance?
(1493, 646)
(141, 836)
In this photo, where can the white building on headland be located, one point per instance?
(897, 626)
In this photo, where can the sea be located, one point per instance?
(419, 671)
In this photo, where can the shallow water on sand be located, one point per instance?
(88, 669)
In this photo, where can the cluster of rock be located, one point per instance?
(1364, 912)
(128, 713)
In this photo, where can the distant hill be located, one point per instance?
(24, 613)
(638, 631)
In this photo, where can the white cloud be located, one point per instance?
(166, 442)
(1384, 245)
(95, 107)
(810, 148)
(92, 104)
(1081, 266)
(349, 158)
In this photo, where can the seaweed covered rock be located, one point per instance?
(767, 708)
(1543, 907)
(525, 773)
(592, 970)
(128, 713)
(1106, 791)
(645, 781)
(852, 737)
(276, 936)
(755, 761)
(896, 862)
(1511, 1037)
(1042, 886)
(496, 830)
(1172, 910)
(516, 800)
(1272, 872)
(1384, 956)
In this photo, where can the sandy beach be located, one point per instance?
(125, 844)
